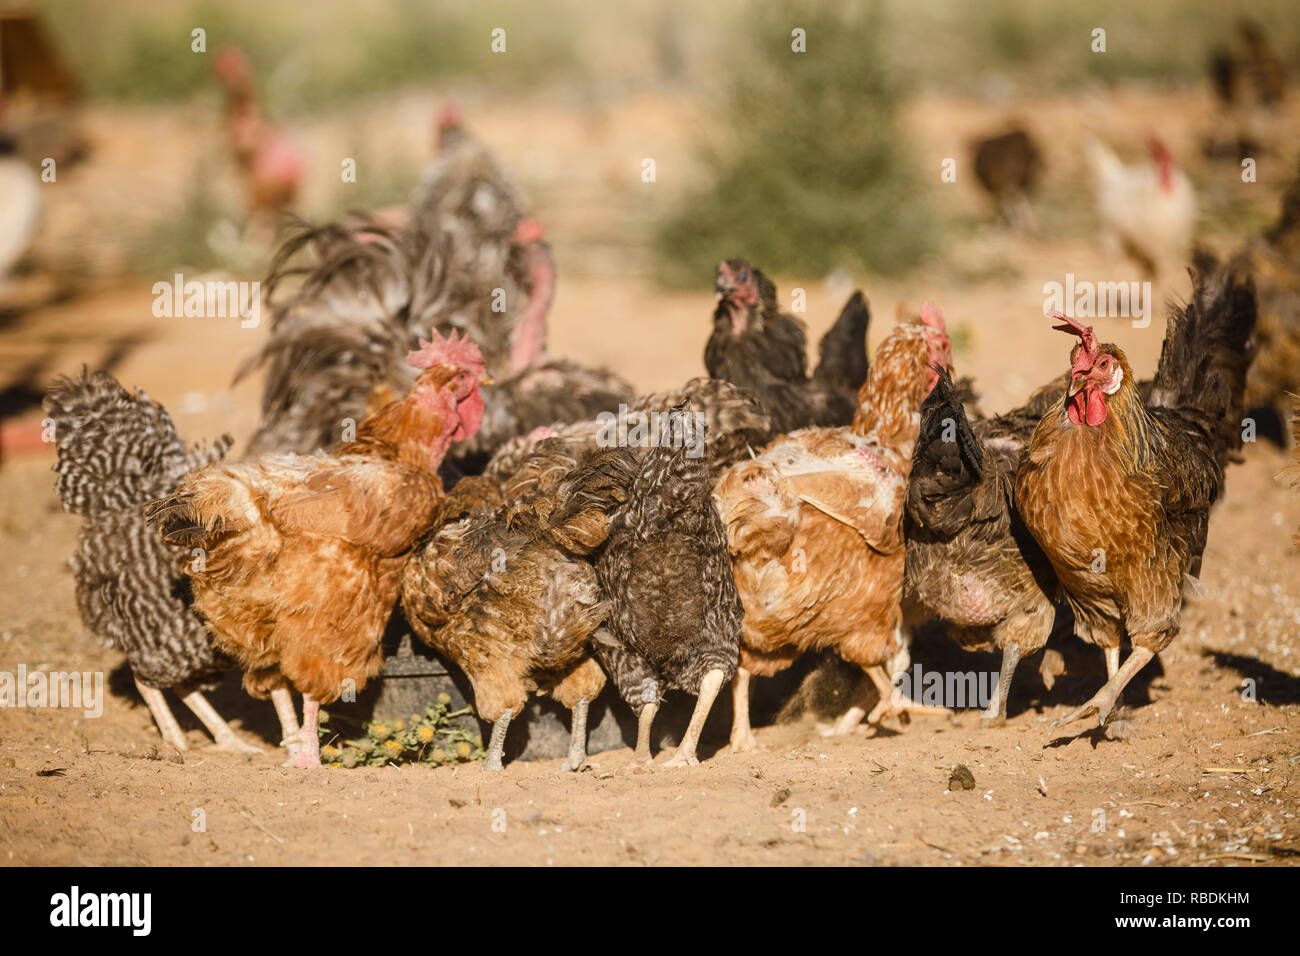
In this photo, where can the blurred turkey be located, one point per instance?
(1008, 167)
(464, 259)
(270, 163)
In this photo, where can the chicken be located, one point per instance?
(674, 618)
(509, 597)
(1147, 210)
(1008, 166)
(734, 422)
(117, 452)
(1272, 258)
(302, 555)
(815, 530)
(20, 201)
(1290, 475)
(1118, 492)
(761, 349)
(1249, 82)
(343, 331)
(970, 559)
(272, 165)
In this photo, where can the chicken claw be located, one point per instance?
(498, 742)
(1103, 702)
(742, 734)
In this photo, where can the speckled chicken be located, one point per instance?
(970, 559)
(508, 596)
(117, 452)
(674, 619)
(761, 349)
(815, 530)
(303, 555)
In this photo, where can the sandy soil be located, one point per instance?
(1203, 769)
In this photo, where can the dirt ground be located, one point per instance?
(1203, 769)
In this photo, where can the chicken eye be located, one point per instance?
(744, 276)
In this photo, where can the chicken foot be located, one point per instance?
(577, 737)
(1103, 702)
(223, 736)
(308, 754)
(742, 734)
(892, 702)
(497, 745)
(996, 712)
(162, 716)
(709, 687)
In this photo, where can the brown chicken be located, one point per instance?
(1273, 259)
(508, 596)
(815, 530)
(1290, 475)
(302, 555)
(1117, 492)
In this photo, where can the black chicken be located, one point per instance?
(1008, 166)
(763, 350)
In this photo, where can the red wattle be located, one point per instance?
(469, 415)
(1088, 406)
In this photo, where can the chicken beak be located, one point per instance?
(1076, 385)
(486, 380)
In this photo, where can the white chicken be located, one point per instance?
(1147, 209)
(20, 205)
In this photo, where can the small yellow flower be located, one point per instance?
(335, 766)
(425, 733)
(463, 750)
(393, 745)
(437, 755)
(399, 725)
(379, 731)
(444, 698)
(329, 751)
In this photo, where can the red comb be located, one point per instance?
(449, 117)
(452, 350)
(528, 230)
(1084, 332)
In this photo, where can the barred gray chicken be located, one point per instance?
(118, 451)
(675, 613)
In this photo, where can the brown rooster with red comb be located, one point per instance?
(1117, 490)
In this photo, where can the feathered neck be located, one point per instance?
(414, 430)
(889, 402)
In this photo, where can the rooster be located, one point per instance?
(1147, 210)
(271, 163)
(815, 529)
(509, 597)
(970, 559)
(302, 555)
(675, 616)
(758, 347)
(1118, 491)
(117, 452)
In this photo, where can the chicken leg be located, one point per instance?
(641, 756)
(742, 734)
(892, 702)
(1112, 661)
(1103, 702)
(709, 687)
(996, 712)
(162, 716)
(308, 754)
(577, 737)
(497, 745)
(290, 732)
(224, 737)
